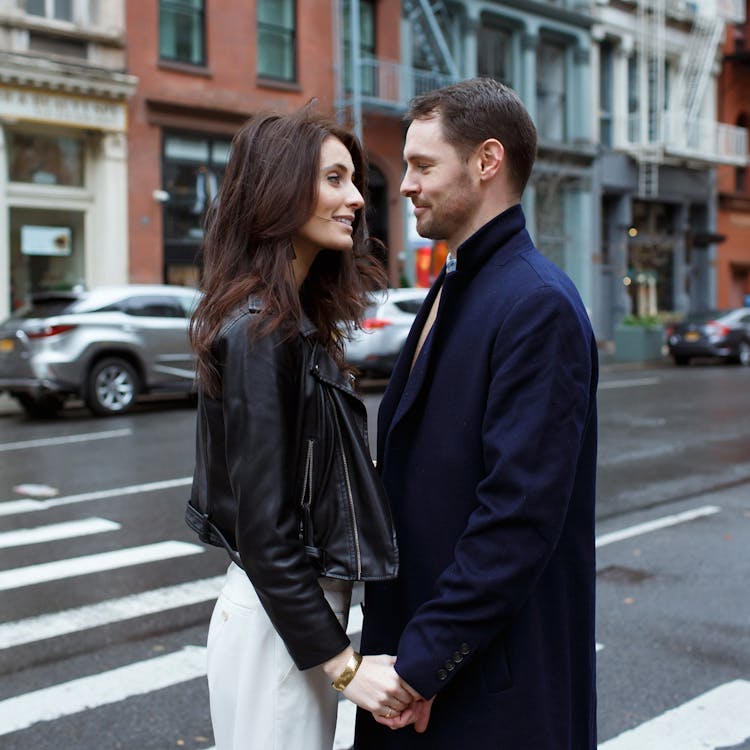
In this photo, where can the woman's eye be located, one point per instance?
(334, 178)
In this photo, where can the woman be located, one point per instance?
(283, 475)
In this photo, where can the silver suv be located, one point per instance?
(105, 346)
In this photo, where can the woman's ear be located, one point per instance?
(490, 155)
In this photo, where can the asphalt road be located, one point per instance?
(105, 595)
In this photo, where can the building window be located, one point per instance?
(45, 159)
(495, 54)
(182, 31)
(277, 39)
(605, 94)
(367, 63)
(59, 10)
(192, 168)
(550, 90)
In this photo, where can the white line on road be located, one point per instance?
(13, 507)
(606, 385)
(55, 531)
(657, 523)
(48, 704)
(718, 718)
(69, 621)
(65, 439)
(77, 566)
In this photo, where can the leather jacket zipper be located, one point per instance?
(307, 488)
(350, 497)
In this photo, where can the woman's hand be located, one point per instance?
(377, 687)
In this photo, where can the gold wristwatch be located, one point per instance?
(347, 675)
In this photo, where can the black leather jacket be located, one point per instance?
(284, 480)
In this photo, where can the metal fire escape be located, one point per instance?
(651, 33)
(429, 40)
(396, 82)
(682, 123)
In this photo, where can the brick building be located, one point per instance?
(733, 258)
(203, 69)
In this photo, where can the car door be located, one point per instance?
(160, 322)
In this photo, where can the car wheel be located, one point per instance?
(112, 387)
(743, 354)
(681, 360)
(40, 408)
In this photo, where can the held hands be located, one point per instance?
(374, 685)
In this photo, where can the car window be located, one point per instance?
(48, 306)
(409, 305)
(153, 306)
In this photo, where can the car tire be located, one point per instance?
(112, 387)
(681, 361)
(40, 408)
(743, 354)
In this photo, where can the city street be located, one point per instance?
(105, 594)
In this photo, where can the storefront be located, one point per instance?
(63, 183)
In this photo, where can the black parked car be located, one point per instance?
(724, 334)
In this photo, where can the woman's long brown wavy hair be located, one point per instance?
(269, 191)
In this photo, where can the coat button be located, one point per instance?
(464, 648)
(442, 674)
(457, 657)
(449, 665)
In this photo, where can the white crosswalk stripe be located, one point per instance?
(56, 531)
(76, 566)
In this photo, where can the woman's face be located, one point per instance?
(330, 226)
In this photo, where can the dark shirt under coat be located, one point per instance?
(488, 454)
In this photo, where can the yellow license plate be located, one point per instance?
(692, 336)
(6, 345)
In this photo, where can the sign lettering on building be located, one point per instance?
(62, 109)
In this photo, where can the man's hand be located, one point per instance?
(417, 713)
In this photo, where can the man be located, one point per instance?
(487, 448)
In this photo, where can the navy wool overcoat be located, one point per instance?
(487, 450)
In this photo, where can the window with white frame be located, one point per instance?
(551, 68)
(495, 53)
(59, 10)
(605, 93)
(277, 39)
(368, 71)
(182, 31)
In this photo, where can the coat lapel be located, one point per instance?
(391, 407)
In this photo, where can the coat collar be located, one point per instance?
(476, 250)
(306, 327)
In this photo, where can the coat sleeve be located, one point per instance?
(539, 402)
(260, 412)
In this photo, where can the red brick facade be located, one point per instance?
(733, 258)
(214, 99)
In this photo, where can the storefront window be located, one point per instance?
(44, 159)
(46, 252)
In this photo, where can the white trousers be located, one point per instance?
(259, 699)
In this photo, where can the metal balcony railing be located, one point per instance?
(700, 139)
(390, 85)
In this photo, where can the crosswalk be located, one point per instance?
(716, 719)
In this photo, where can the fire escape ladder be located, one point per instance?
(697, 61)
(428, 36)
(651, 32)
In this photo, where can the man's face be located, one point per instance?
(439, 183)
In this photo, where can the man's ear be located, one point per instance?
(490, 156)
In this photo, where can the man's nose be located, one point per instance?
(408, 186)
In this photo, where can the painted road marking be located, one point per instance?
(55, 531)
(628, 383)
(718, 718)
(57, 701)
(657, 523)
(69, 621)
(13, 507)
(65, 439)
(77, 566)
